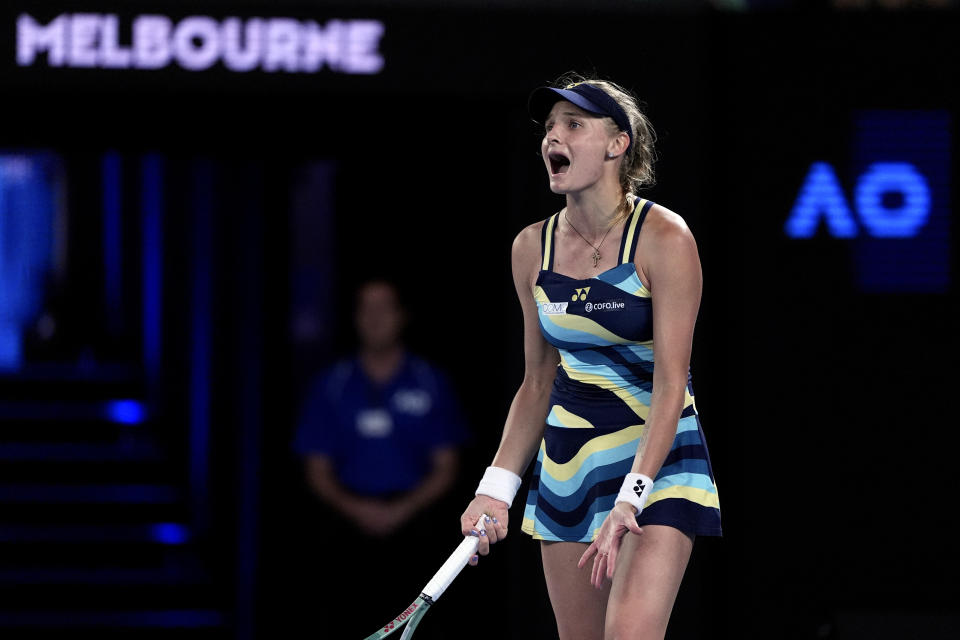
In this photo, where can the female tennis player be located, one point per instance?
(609, 286)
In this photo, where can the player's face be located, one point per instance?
(574, 148)
(379, 317)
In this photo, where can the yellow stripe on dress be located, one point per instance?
(624, 394)
(561, 472)
(568, 419)
(700, 496)
(528, 526)
(633, 227)
(603, 382)
(548, 243)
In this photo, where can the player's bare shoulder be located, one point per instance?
(666, 248)
(528, 240)
(526, 251)
(665, 231)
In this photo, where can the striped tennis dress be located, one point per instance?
(603, 329)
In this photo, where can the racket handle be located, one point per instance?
(453, 566)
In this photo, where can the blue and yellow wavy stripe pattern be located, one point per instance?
(599, 406)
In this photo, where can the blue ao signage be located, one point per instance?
(894, 206)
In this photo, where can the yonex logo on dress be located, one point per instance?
(581, 294)
(613, 305)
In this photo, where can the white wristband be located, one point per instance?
(499, 483)
(635, 490)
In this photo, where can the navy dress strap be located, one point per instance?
(546, 242)
(632, 230)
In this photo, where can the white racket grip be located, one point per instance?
(453, 566)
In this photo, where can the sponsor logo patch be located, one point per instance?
(612, 305)
(554, 308)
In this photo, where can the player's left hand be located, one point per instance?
(494, 519)
(605, 548)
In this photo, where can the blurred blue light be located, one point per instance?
(902, 163)
(126, 411)
(113, 238)
(151, 209)
(10, 350)
(29, 183)
(170, 533)
(820, 196)
(903, 158)
(903, 221)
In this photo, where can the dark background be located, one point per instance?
(827, 410)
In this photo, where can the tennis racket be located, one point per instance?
(412, 615)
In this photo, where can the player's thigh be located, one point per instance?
(645, 584)
(578, 606)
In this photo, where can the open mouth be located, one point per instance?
(559, 163)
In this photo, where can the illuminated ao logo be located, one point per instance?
(892, 200)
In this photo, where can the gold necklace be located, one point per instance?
(596, 248)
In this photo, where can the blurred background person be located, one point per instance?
(379, 433)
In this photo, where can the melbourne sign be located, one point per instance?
(197, 43)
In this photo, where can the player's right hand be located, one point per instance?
(491, 529)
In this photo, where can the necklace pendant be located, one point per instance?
(596, 257)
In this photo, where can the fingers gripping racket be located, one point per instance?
(412, 615)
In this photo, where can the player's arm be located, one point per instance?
(672, 266)
(524, 426)
(525, 421)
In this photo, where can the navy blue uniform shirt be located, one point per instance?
(379, 436)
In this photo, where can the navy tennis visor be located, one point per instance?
(586, 96)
